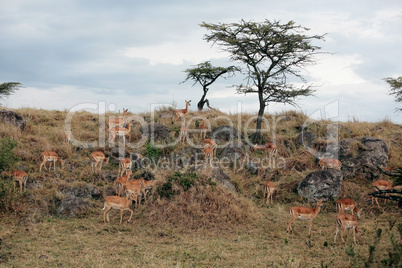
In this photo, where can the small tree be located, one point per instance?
(396, 89)
(272, 53)
(205, 74)
(6, 89)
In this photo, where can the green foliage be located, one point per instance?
(395, 253)
(7, 157)
(185, 180)
(9, 87)
(152, 152)
(396, 88)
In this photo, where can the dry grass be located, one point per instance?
(205, 226)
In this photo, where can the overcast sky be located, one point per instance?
(133, 54)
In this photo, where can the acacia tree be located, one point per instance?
(6, 89)
(396, 88)
(272, 53)
(205, 74)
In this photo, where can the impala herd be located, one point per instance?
(133, 190)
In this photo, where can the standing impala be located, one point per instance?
(380, 185)
(125, 165)
(119, 132)
(208, 154)
(347, 204)
(97, 158)
(19, 176)
(120, 181)
(119, 121)
(117, 202)
(50, 156)
(346, 221)
(210, 142)
(330, 163)
(268, 189)
(203, 129)
(181, 112)
(304, 214)
(267, 147)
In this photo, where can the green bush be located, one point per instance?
(152, 152)
(7, 157)
(185, 180)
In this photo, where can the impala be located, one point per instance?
(117, 202)
(211, 143)
(208, 153)
(20, 176)
(146, 186)
(346, 221)
(133, 188)
(67, 137)
(181, 112)
(119, 132)
(305, 214)
(183, 134)
(97, 158)
(267, 147)
(125, 165)
(268, 189)
(120, 181)
(50, 156)
(347, 204)
(380, 185)
(203, 129)
(330, 163)
(117, 122)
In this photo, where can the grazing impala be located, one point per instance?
(125, 165)
(67, 137)
(210, 142)
(209, 154)
(346, 221)
(203, 129)
(50, 156)
(347, 204)
(267, 147)
(330, 163)
(380, 185)
(119, 132)
(97, 158)
(183, 134)
(120, 181)
(268, 189)
(181, 112)
(305, 214)
(117, 202)
(119, 121)
(19, 176)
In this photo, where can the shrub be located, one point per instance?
(7, 157)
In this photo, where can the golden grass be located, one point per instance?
(205, 226)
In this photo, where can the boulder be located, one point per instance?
(223, 179)
(225, 133)
(158, 131)
(233, 152)
(73, 207)
(360, 157)
(12, 118)
(325, 184)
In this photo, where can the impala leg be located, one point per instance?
(290, 229)
(342, 233)
(336, 233)
(131, 215)
(354, 234)
(106, 215)
(121, 215)
(311, 224)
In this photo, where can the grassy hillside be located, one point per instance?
(203, 223)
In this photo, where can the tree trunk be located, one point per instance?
(201, 103)
(257, 136)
